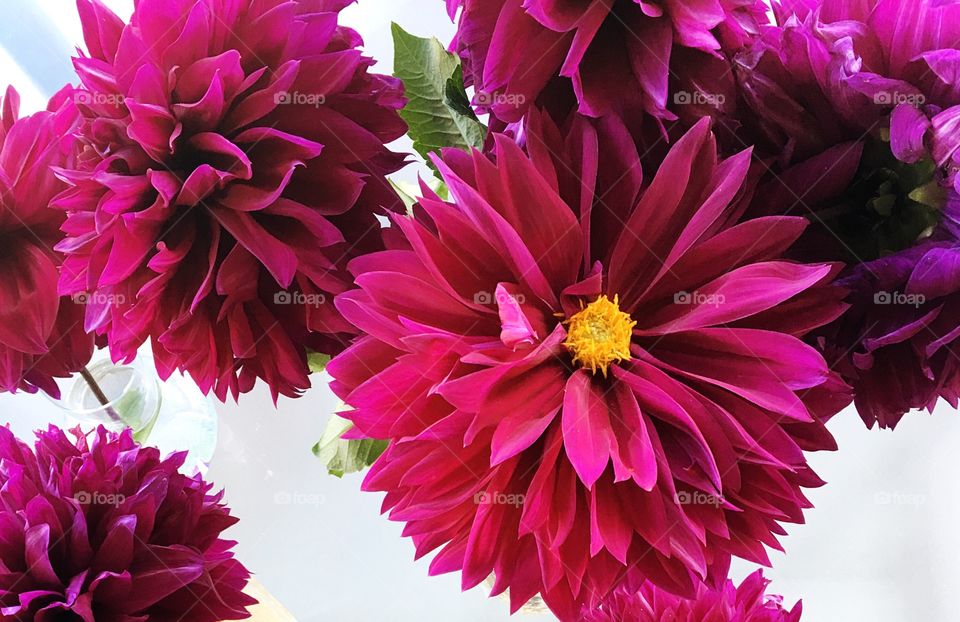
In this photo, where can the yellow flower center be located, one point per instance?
(599, 334)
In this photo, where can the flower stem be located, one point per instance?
(100, 395)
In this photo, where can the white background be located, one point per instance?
(881, 545)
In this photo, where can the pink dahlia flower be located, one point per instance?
(41, 334)
(620, 55)
(746, 603)
(860, 103)
(611, 385)
(233, 161)
(109, 531)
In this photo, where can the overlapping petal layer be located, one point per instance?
(906, 324)
(41, 334)
(834, 71)
(620, 55)
(744, 603)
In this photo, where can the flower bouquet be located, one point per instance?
(654, 250)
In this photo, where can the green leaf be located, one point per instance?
(438, 110)
(343, 456)
(317, 362)
(455, 95)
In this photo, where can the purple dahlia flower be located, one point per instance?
(610, 386)
(858, 106)
(233, 161)
(106, 531)
(835, 71)
(619, 54)
(905, 321)
(747, 602)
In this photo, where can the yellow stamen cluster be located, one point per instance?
(599, 334)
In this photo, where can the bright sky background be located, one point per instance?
(37, 39)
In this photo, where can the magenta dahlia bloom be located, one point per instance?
(746, 603)
(233, 162)
(844, 73)
(41, 334)
(833, 71)
(859, 104)
(619, 54)
(572, 401)
(109, 531)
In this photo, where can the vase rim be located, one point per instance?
(136, 377)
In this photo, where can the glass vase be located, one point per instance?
(172, 415)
